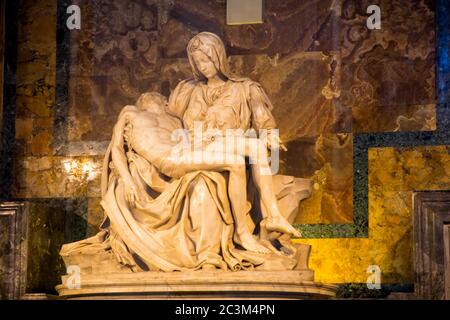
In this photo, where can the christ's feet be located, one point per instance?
(248, 242)
(280, 224)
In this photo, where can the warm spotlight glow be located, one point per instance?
(87, 167)
(67, 166)
(82, 169)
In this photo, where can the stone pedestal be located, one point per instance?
(297, 284)
(101, 277)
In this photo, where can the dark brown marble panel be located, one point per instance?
(35, 78)
(51, 224)
(289, 26)
(394, 118)
(391, 67)
(327, 160)
(126, 48)
(302, 88)
(134, 46)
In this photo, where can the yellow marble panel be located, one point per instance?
(394, 174)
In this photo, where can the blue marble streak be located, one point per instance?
(443, 51)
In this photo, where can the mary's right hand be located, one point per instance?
(131, 193)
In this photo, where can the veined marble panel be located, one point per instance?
(391, 68)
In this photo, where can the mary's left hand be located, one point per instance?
(274, 142)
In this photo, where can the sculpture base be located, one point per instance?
(297, 284)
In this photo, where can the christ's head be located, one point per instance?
(152, 101)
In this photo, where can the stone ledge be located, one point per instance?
(297, 284)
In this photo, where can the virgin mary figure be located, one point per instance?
(186, 222)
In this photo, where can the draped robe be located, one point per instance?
(183, 224)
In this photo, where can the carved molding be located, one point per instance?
(13, 263)
(431, 216)
(447, 260)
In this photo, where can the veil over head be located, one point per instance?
(211, 45)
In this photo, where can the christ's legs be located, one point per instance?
(237, 182)
(257, 151)
(264, 183)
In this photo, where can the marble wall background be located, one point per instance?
(327, 75)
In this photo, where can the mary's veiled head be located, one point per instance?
(211, 46)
